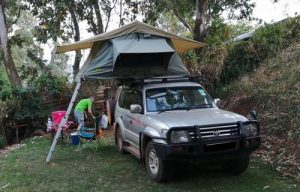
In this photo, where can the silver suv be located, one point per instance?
(162, 121)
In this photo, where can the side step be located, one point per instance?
(134, 151)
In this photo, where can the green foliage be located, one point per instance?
(4, 84)
(2, 141)
(242, 58)
(218, 32)
(51, 86)
(32, 104)
(269, 39)
(245, 56)
(185, 12)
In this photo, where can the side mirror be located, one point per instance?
(217, 102)
(135, 108)
(253, 115)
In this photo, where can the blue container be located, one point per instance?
(75, 138)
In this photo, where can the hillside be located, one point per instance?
(273, 90)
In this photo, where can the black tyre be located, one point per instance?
(158, 170)
(120, 142)
(237, 166)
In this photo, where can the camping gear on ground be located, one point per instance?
(104, 121)
(134, 51)
(49, 124)
(88, 134)
(75, 138)
(57, 117)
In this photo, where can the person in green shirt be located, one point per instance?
(80, 110)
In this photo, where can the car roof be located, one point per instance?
(171, 84)
(168, 84)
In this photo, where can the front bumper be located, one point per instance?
(230, 146)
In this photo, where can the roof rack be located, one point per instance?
(161, 79)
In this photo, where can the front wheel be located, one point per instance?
(159, 170)
(237, 166)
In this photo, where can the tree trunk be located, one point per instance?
(76, 38)
(98, 16)
(10, 68)
(199, 30)
(2, 130)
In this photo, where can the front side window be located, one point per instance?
(129, 97)
(177, 98)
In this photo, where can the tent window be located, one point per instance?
(143, 60)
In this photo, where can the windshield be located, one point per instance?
(177, 98)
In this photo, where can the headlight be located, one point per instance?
(250, 129)
(179, 137)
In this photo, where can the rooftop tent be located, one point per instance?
(135, 55)
(136, 50)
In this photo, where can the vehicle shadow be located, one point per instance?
(183, 172)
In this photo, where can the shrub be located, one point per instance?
(2, 142)
(269, 39)
(241, 58)
(31, 105)
(245, 56)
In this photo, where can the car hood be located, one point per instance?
(196, 117)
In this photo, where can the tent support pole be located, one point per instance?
(63, 122)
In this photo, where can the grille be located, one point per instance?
(214, 131)
(192, 134)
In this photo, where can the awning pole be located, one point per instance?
(63, 122)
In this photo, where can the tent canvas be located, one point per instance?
(136, 50)
(134, 55)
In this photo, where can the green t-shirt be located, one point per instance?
(84, 104)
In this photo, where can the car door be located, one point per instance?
(135, 120)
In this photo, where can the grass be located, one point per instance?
(24, 169)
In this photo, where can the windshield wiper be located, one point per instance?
(172, 109)
(205, 105)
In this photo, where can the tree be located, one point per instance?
(61, 20)
(5, 49)
(196, 15)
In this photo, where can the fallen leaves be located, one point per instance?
(282, 154)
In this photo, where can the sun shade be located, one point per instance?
(180, 44)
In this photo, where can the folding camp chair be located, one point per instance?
(88, 135)
(57, 117)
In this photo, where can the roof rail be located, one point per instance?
(161, 79)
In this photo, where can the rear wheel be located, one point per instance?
(120, 142)
(159, 170)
